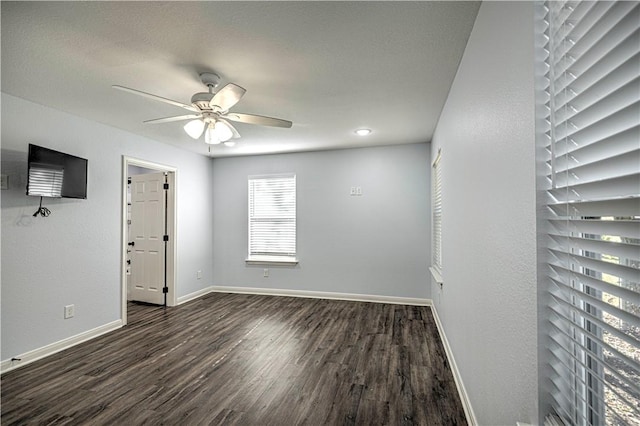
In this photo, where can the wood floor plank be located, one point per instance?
(246, 360)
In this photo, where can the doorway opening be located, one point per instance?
(151, 188)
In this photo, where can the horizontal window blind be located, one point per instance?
(437, 213)
(592, 149)
(272, 216)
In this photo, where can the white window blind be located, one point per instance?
(436, 195)
(272, 217)
(592, 154)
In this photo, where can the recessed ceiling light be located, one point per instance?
(363, 132)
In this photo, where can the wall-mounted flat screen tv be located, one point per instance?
(56, 174)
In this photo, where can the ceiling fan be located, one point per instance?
(210, 112)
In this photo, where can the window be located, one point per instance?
(591, 157)
(272, 218)
(436, 224)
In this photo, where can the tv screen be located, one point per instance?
(56, 174)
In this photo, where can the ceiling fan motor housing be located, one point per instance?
(201, 100)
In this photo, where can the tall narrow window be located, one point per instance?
(272, 218)
(592, 180)
(436, 193)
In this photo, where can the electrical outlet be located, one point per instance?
(265, 272)
(69, 311)
(4, 182)
(199, 275)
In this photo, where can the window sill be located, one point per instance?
(435, 273)
(272, 260)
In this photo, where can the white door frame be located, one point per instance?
(172, 227)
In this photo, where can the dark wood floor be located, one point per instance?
(246, 359)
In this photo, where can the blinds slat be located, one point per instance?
(561, 322)
(561, 339)
(618, 228)
(619, 186)
(601, 126)
(625, 164)
(623, 293)
(624, 272)
(620, 21)
(579, 397)
(618, 313)
(601, 247)
(622, 207)
(573, 310)
(582, 114)
(589, 388)
(588, 89)
(584, 352)
(621, 143)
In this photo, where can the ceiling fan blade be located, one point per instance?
(258, 119)
(170, 119)
(156, 98)
(236, 135)
(227, 97)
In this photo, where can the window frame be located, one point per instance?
(436, 219)
(580, 330)
(270, 259)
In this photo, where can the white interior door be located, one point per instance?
(146, 242)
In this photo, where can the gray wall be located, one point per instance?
(486, 132)
(73, 256)
(374, 244)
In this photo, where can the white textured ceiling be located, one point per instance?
(330, 67)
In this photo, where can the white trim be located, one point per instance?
(435, 273)
(172, 260)
(251, 259)
(324, 295)
(457, 377)
(438, 155)
(271, 260)
(52, 348)
(273, 175)
(196, 294)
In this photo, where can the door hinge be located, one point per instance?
(166, 186)
(165, 238)
(165, 289)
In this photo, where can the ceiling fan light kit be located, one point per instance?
(194, 128)
(210, 112)
(210, 136)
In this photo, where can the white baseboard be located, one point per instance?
(464, 397)
(324, 295)
(36, 354)
(196, 294)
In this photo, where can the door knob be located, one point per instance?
(132, 243)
